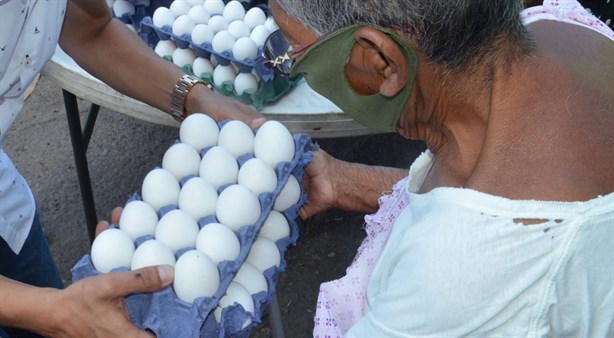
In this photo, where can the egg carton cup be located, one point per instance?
(168, 316)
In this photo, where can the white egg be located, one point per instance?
(165, 48)
(237, 137)
(214, 6)
(199, 14)
(275, 227)
(271, 24)
(254, 17)
(246, 82)
(238, 29)
(274, 143)
(182, 57)
(150, 253)
(198, 198)
(123, 7)
(218, 23)
(202, 66)
(263, 254)
(237, 206)
(222, 41)
(179, 7)
(251, 278)
(218, 242)
(289, 195)
(244, 48)
(222, 74)
(259, 35)
(195, 2)
(163, 17)
(160, 188)
(234, 10)
(138, 219)
(181, 160)
(177, 230)
(219, 167)
(183, 25)
(195, 276)
(201, 34)
(235, 294)
(258, 176)
(199, 130)
(112, 249)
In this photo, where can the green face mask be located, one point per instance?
(323, 68)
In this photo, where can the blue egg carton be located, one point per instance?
(205, 50)
(271, 87)
(167, 316)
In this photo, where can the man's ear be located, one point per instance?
(391, 64)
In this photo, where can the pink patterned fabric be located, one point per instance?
(568, 11)
(341, 302)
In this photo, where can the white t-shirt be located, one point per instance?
(29, 32)
(459, 262)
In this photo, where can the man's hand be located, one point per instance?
(95, 307)
(219, 107)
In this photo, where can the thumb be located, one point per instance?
(148, 279)
(306, 211)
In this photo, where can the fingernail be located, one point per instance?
(166, 273)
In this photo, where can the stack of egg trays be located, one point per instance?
(270, 89)
(168, 316)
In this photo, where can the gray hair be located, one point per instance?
(453, 33)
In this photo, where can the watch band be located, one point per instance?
(180, 92)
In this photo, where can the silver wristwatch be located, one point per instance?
(181, 90)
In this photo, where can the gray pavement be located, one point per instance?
(124, 149)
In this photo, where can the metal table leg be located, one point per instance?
(80, 141)
(277, 326)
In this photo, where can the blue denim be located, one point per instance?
(33, 265)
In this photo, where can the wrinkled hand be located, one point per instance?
(318, 183)
(220, 107)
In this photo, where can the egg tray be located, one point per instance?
(168, 316)
(270, 89)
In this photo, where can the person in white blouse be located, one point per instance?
(504, 227)
(30, 294)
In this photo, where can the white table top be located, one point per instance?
(302, 110)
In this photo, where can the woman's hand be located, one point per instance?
(318, 184)
(332, 183)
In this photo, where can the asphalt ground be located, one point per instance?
(123, 150)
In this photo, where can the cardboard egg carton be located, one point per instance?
(168, 316)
